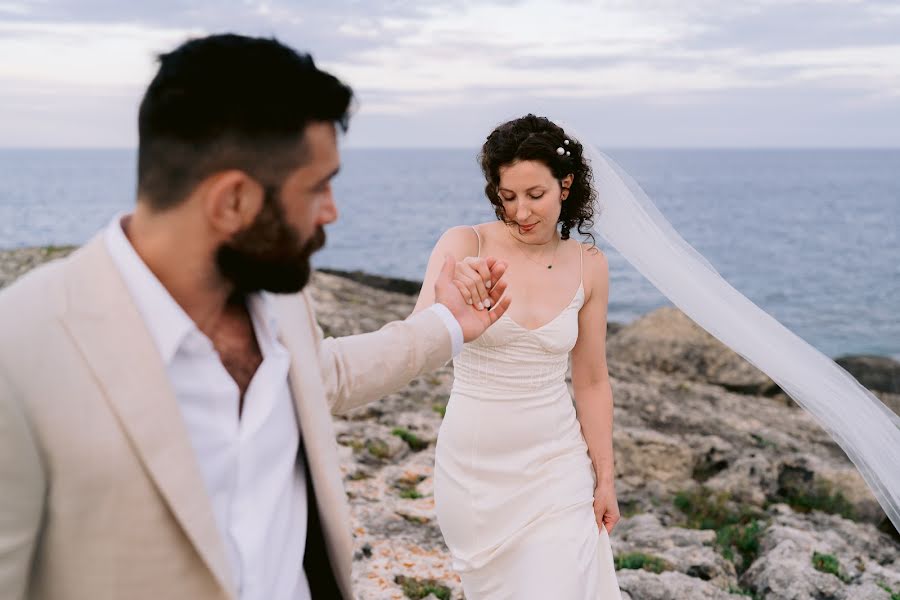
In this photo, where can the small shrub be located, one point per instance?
(415, 443)
(886, 587)
(416, 589)
(379, 449)
(828, 563)
(640, 560)
(738, 527)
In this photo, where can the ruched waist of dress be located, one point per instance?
(494, 372)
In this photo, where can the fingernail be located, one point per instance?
(469, 301)
(480, 306)
(487, 284)
(487, 303)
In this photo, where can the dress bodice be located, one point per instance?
(509, 356)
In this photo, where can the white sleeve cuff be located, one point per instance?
(453, 327)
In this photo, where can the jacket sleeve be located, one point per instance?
(22, 491)
(358, 369)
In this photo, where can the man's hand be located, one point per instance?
(473, 321)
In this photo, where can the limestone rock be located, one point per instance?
(667, 340)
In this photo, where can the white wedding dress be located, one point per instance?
(513, 482)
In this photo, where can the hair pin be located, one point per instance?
(560, 151)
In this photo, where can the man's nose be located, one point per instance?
(329, 212)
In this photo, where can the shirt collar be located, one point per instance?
(169, 325)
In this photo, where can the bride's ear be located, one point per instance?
(566, 183)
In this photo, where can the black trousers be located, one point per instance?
(319, 572)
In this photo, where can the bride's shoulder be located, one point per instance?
(459, 240)
(596, 267)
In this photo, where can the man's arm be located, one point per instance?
(358, 369)
(22, 491)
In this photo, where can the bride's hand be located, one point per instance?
(606, 507)
(473, 278)
(472, 321)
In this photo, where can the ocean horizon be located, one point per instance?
(809, 235)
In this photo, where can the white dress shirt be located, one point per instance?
(248, 461)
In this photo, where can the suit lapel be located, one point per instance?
(108, 329)
(317, 433)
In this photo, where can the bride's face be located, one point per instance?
(532, 199)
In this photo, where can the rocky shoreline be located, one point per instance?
(727, 489)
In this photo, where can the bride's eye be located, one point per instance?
(538, 197)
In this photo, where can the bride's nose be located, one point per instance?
(522, 212)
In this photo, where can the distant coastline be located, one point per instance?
(16, 262)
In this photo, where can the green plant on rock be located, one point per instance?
(406, 486)
(440, 409)
(828, 563)
(741, 538)
(762, 442)
(886, 587)
(629, 508)
(799, 487)
(410, 494)
(416, 589)
(56, 249)
(415, 443)
(379, 449)
(733, 589)
(738, 526)
(640, 560)
(821, 496)
(351, 442)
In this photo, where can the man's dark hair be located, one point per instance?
(230, 102)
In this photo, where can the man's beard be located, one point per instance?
(269, 255)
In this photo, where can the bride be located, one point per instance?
(524, 488)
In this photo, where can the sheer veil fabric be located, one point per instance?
(866, 429)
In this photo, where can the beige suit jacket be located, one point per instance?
(101, 496)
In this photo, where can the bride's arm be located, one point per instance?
(590, 377)
(459, 242)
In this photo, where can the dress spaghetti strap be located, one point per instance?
(581, 254)
(475, 229)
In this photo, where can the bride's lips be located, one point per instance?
(526, 228)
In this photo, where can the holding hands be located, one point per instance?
(472, 289)
(474, 279)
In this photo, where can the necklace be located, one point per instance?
(552, 258)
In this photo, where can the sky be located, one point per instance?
(443, 73)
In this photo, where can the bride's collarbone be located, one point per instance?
(538, 298)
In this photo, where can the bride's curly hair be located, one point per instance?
(537, 138)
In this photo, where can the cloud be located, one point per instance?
(449, 58)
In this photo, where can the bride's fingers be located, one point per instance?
(484, 273)
(467, 296)
(476, 289)
(496, 267)
(475, 281)
(498, 290)
(499, 309)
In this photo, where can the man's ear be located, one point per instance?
(231, 201)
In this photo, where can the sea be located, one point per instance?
(812, 236)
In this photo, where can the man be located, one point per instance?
(164, 419)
